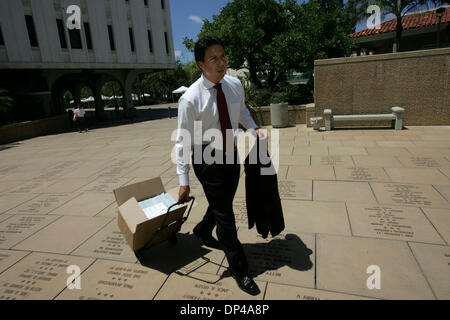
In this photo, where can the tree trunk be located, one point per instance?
(398, 35)
(271, 80)
(253, 75)
(399, 28)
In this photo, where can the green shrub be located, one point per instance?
(278, 97)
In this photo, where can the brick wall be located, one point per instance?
(418, 81)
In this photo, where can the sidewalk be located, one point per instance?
(357, 204)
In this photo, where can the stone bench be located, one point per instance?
(397, 115)
(315, 122)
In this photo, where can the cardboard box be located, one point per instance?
(134, 224)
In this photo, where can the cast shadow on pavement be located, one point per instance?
(167, 258)
(290, 251)
(188, 255)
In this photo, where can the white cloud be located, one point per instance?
(177, 53)
(196, 19)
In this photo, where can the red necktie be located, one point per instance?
(224, 117)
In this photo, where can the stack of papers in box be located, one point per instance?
(158, 205)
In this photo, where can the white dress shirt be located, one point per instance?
(79, 112)
(199, 103)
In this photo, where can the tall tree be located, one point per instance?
(270, 37)
(161, 84)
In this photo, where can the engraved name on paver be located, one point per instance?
(407, 194)
(27, 187)
(104, 185)
(386, 222)
(33, 279)
(57, 170)
(287, 188)
(42, 204)
(270, 256)
(424, 162)
(206, 291)
(112, 245)
(306, 297)
(117, 277)
(331, 160)
(240, 212)
(18, 227)
(358, 173)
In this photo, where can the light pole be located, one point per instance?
(440, 12)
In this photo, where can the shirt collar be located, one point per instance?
(208, 84)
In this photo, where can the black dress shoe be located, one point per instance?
(208, 240)
(246, 284)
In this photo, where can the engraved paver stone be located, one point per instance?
(86, 204)
(276, 291)
(295, 189)
(309, 216)
(9, 201)
(408, 194)
(42, 204)
(361, 174)
(424, 162)
(343, 191)
(417, 175)
(287, 258)
(204, 287)
(105, 184)
(434, 260)
(9, 258)
(440, 218)
(392, 222)
(342, 264)
(39, 276)
(108, 243)
(18, 228)
(109, 280)
(64, 235)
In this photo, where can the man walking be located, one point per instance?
(218, 102)
(78, 117)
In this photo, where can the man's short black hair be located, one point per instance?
(203, 44)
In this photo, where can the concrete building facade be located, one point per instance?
(115, 40)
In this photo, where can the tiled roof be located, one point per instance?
(419, 20)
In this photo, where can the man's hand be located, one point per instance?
(262, 134)
(183, 193)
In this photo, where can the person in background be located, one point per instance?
(78, 118)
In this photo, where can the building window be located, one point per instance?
(111, 38)
(62, 35)
(87, 32)
(150, 40)
(162, 4)
(167, 42)
(2, 42)
(31, 31)
(75, 39)
(130, 30)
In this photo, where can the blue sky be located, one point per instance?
(187, 16)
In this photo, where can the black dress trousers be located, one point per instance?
(220, 182)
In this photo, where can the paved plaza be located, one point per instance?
(367, 216)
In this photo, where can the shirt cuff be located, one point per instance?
(184, 179)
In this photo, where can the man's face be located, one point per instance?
(214, 65)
